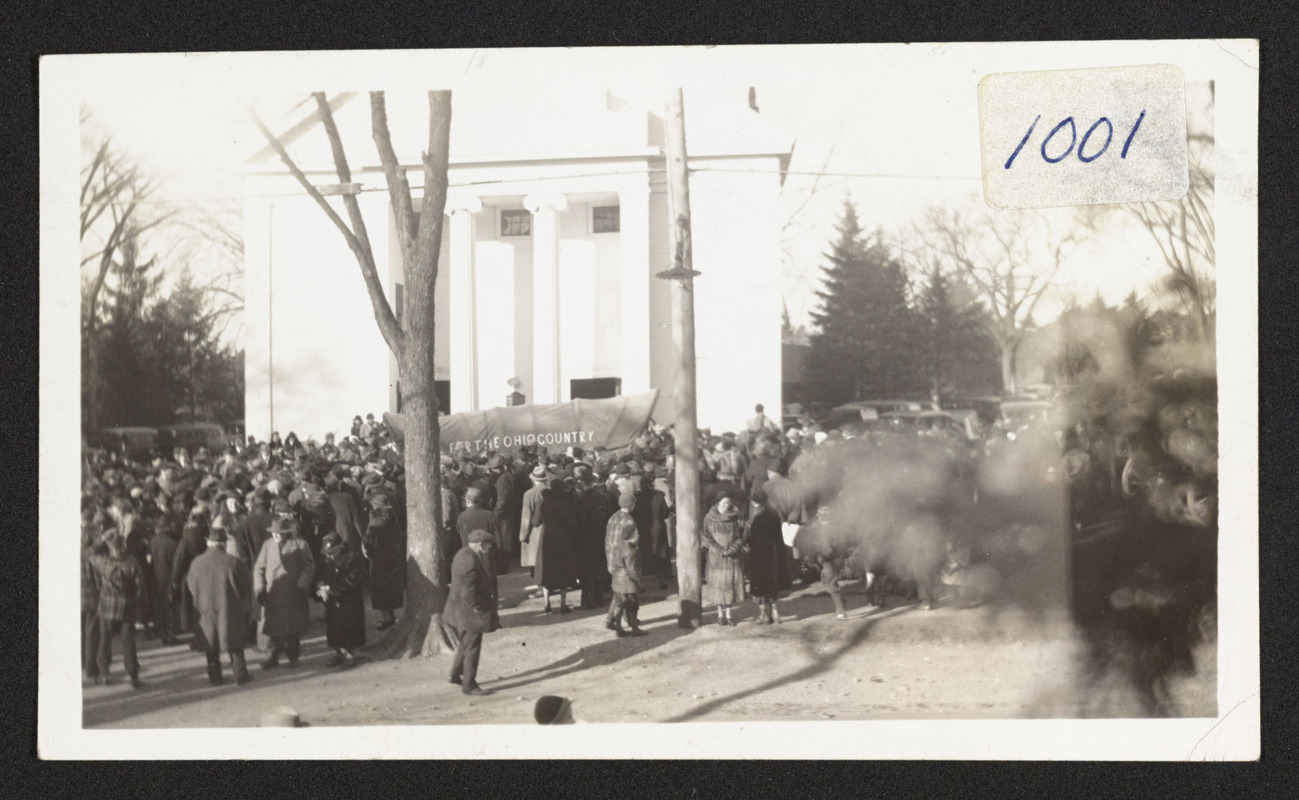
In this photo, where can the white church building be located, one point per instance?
(557, 222)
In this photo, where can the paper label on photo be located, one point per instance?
(1083, 136)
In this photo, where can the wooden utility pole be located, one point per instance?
(685, 431)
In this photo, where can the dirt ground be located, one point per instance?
(895, 662)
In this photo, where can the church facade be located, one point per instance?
(556, 225)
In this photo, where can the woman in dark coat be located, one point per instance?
(341, 584)
(385, 545)
(767, 565)
(651, 515)
(723, 536)
(557, 565)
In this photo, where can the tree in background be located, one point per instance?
(1010, 258)
(960, 358)
(113, 219)
(866, 343)
(152, 347)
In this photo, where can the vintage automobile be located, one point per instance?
(137, 443)
(961, 424)
(870, 410)
(191, 436)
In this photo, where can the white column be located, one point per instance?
(464, 379)
(634, 288)
(545, 210)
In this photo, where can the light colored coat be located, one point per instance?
(284, 571)
(531, 527)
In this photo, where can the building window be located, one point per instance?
(604, 219)
(516, 222)
(595, 388)
(401, 302)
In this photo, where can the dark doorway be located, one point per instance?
(595, 388)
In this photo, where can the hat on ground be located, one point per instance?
(282, 717)
(626, 500)
(480, 536)
(553, 710)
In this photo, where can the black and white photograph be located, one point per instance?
(807, 401)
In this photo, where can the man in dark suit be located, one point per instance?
(471, 609)
(222, 587)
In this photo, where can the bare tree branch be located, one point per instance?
(383, 315)
(398, 187)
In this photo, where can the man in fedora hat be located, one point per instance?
(471, 609)
(222, 587)
(281, 582)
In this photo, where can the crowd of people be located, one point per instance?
(231, 547)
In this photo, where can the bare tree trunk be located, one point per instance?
(420, 631)
(1008, 352)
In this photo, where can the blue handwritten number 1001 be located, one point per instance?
(1073, 139)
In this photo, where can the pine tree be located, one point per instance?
(866, 343)
(960, 358)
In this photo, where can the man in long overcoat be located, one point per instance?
(222, 587)
(162, 555)
(281, 581)
(651, 515)
(595, 507)
(509, 505)
(193, 543)
(471, 609)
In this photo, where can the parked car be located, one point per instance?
(869, 410)
(192, 436)
(1019, 414)
(961, 424)
(137, 443)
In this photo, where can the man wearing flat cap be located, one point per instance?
(471, 609)
(222, 586)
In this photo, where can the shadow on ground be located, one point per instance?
(859, 632)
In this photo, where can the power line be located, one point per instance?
(838, 174)
(576, 176)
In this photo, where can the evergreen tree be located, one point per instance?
(960, 357)
(866, 343)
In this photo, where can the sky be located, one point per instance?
(895, 138)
